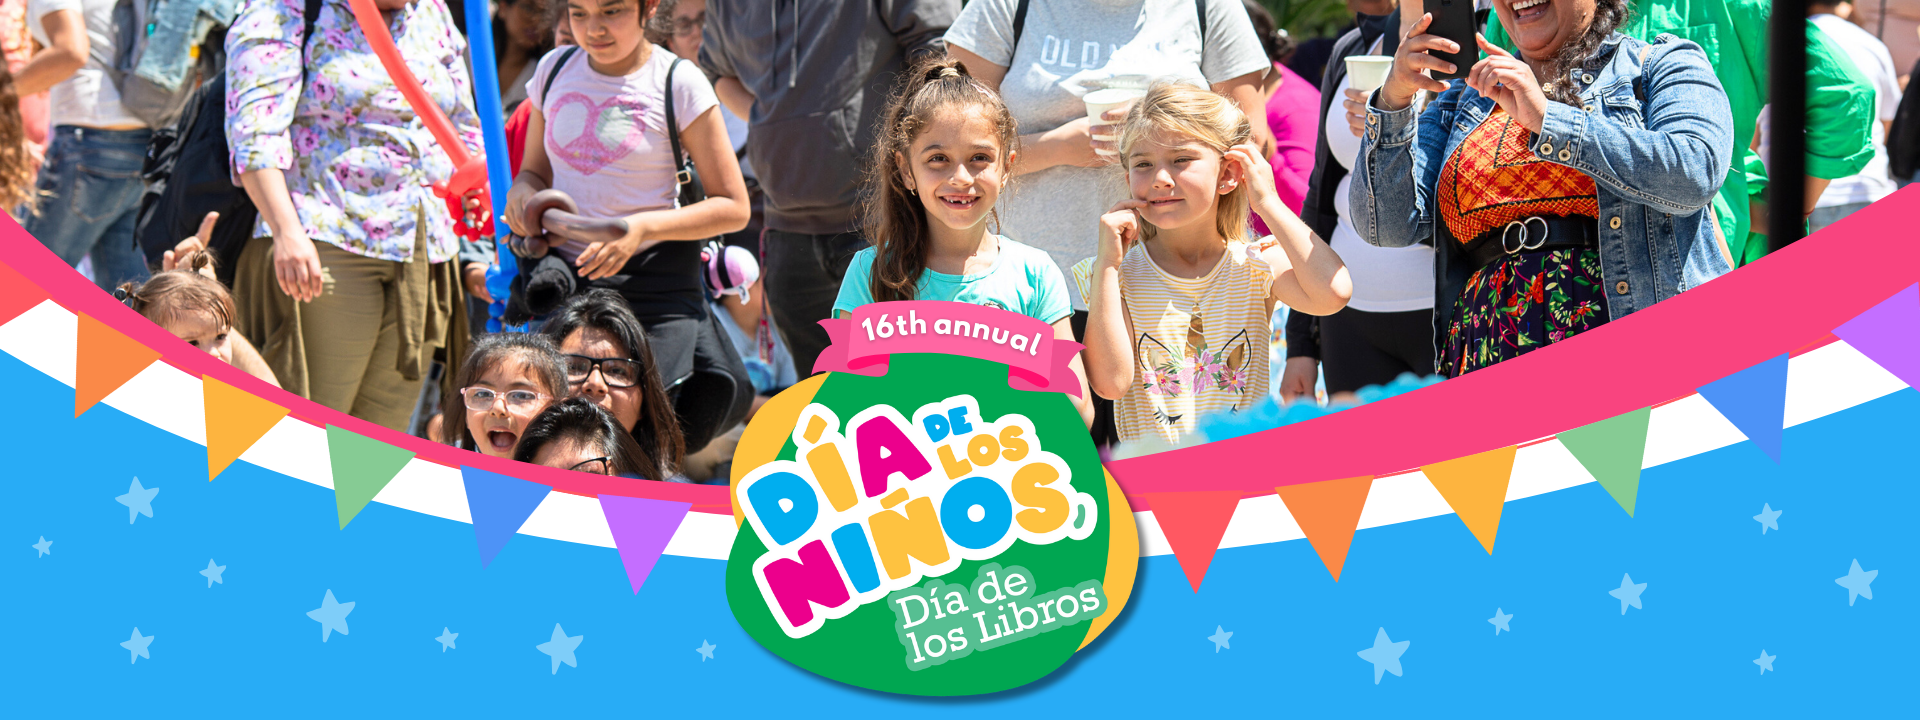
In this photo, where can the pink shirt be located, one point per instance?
(1293, 113)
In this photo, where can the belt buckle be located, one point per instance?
(1527, 239)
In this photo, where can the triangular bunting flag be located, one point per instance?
(16, 294)
(1612, 450)
(1755, 401)
(641, 528)
(361, 467)
(499, 505)
(1328, 512)
(104, 360)
(1475, 487)
(1193, 523)
(1889, 334)
(236, 419)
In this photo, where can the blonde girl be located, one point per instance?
(945, 149)
(1181, 295)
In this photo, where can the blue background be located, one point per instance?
(1718, 593)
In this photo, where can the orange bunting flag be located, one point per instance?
(1193, 522)
(236, 420)
(1475, 487)
(1328, 513)
(103, 361)
(16, 294)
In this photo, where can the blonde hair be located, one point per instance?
(1206, 117)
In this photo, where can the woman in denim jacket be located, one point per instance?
(1560, 189)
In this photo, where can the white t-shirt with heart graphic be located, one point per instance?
(606, 136)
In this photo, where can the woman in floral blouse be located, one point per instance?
(347, 282)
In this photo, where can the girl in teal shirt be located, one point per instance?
(944, 150)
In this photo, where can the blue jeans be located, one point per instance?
(89, 198)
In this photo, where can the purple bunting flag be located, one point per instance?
(1889, 334)
(641, 528)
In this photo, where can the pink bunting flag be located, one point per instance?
(641, 528)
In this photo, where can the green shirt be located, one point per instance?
(1023, 279)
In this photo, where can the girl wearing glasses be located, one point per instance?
(505, 382)
(609, 361)
(575, 434)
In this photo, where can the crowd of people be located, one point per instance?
(698, 183)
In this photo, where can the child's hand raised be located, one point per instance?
(1250, 167)
(171, 259)
(1119, 230)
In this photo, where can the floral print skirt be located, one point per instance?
(1523, 302)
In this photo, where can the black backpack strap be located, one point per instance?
(546, 88)
(680, 175)
(1201, 7)
(307, 21)
(1019, 26)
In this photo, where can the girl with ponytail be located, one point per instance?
(943, 154)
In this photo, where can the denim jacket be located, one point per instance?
(175, 28)
(1656, 138)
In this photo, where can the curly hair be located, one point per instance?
(1580, 53)
(16, 167)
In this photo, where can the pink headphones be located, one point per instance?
(730, 269)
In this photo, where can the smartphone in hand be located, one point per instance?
(1454, 20)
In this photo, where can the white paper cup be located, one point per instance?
(1367, 73)
(1100, 101)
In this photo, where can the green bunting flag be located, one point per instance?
(361, 467)
(1613, 450)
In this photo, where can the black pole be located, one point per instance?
(1787, 94)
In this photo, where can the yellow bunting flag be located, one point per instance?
(236, 419)
(1475, 487)
(104, 360)
(1328, 513)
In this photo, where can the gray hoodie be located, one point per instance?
(820, 72)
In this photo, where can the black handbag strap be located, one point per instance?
(546, 88)
(681, 174)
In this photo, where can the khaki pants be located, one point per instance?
(364, 345)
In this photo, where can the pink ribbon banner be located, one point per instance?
(1034, 359)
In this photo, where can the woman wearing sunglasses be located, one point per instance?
(575, 434)
(506, 380)
(608, 361)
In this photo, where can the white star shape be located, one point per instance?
(213, 574)
(45, 546)
(1219, 638)
(137, 646)
(1768, 518)
(1859, 584)
(561, 648)
(1628, 592)
(1765, 661)
(446, 639)
(706, 650)
(1500, 620)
